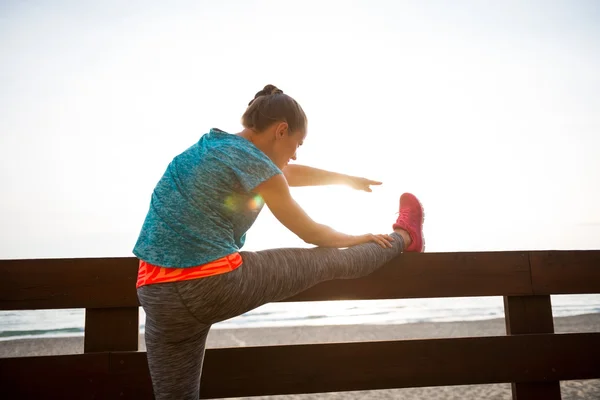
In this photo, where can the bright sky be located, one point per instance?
(488, 111)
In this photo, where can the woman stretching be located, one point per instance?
(192, 273)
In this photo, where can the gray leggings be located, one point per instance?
(180, 314)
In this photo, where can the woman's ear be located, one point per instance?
(282, 129)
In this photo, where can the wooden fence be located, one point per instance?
(530, 356)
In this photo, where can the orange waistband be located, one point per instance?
(149, 274)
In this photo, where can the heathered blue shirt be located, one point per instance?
(203, 205)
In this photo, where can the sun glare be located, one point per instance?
(492, 121)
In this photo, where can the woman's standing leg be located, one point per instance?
(175, 343)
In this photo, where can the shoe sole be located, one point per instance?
(422, 222)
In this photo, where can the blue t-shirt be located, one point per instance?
(203, 205)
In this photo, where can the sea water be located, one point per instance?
(70, 322)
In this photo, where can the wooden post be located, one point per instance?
(526, 315)
(111, 329)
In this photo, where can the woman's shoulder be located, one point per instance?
(230, 146)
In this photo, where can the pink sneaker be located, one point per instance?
(411, 220)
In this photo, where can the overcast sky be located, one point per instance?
(488, 111)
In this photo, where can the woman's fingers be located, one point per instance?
(388, 240)
(367, 183)
(361, 183)
(384, 241)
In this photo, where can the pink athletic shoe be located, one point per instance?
(411, 220)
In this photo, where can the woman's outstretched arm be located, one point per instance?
(276, 193)
(302, 175)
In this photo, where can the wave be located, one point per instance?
(34, 334)
(70, 322)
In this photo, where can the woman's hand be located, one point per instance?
(301, 175)
(382, 240)
(360, 183)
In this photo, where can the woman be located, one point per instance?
(192, 273)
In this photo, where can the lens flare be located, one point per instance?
(230, 204)
(256, 203)
(233, 204)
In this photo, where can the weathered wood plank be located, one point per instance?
(130, 378)
(68, 283)
(106, 283)
(397, 364)
(565, 272)
(528, 315)
(250, 371)
(536, 391)
(111, 329)
(110, 282)
(75, 376)
(413, 275)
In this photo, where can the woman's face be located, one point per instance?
(286, 146)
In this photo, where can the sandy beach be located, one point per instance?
(571, 390)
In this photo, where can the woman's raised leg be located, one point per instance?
(272, 275)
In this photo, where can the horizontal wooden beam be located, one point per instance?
(68, 283)
(110, 282)
(83, 376)
(272, 370)
(414, 275)
(565, 272)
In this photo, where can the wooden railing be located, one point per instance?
(530, 356)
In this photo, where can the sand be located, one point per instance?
(571, 390)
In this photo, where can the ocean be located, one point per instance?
(70, 322)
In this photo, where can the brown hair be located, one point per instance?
(271, 105)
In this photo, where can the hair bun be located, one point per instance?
(271, 89)
(267, 91)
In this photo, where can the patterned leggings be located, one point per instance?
(180, 314)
